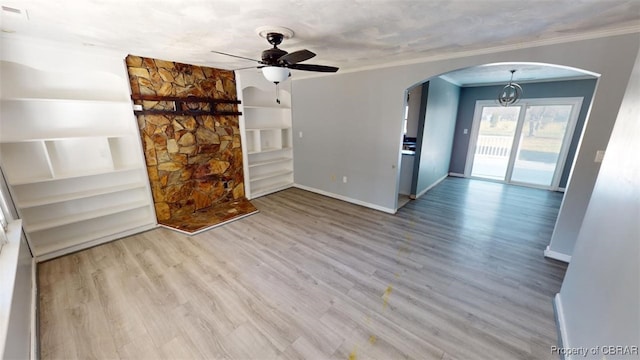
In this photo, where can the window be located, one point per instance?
(406, 118)
(4, 212)
(406, 115)
(3, 225)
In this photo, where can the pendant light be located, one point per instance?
(276, 75)
(511, 92)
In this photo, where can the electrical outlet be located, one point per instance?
(333, 178)
(344, 179)
(599, 156)
(300, 134)
(465, 131)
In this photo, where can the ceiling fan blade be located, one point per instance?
(236, 56)
(296, 57)
(311, 67)
(247, 67)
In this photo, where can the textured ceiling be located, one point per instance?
(348, 34)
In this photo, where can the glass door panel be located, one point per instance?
(495, 138)
(540, 144)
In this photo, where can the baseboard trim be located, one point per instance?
(34, 310)
(346, 198)
(431, 186)
(560, 323)
(456, 175)
(556, 255)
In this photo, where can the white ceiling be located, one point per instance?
(348, 34)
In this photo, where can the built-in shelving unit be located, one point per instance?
(267, 136)
(74, 166)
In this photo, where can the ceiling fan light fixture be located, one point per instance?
(275, 74)
(511, 92)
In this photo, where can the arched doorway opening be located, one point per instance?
(457, 123)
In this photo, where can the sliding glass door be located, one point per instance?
(523, 144)
(494, 141)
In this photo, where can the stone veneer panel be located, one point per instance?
(194, 163)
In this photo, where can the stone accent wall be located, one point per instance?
(193, 162)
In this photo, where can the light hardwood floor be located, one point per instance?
(457, 274)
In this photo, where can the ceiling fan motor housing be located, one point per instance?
(275, 38)
(271, 56)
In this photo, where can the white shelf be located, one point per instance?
(266, 117)
(70, 135)
(268, 136)
(61, 99)
(267, 150)
(269, 128)
(37, 180)
(84, 216)
(40, 160)
(271, 188)
(94, 237)
(24, 162)
(60, 119)
(270, 161)
(271, 175)
(264, 97)
(71, 150)
(78, 195)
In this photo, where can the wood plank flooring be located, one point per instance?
(457, 274)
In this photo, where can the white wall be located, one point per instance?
(599, 301)
(19, 328)
(436, 143)
(16, 291)
(352, 123)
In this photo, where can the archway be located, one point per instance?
(444, 121)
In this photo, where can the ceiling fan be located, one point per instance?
(275, 62)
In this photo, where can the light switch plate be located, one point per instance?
(599, 156)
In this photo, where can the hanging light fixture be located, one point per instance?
(511, 92)
(275, 74)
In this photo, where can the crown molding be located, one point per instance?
(489, 50)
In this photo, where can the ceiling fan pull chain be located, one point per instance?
(277, 94)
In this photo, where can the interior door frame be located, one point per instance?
(576, 102)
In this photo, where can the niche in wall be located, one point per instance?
(194, 161)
